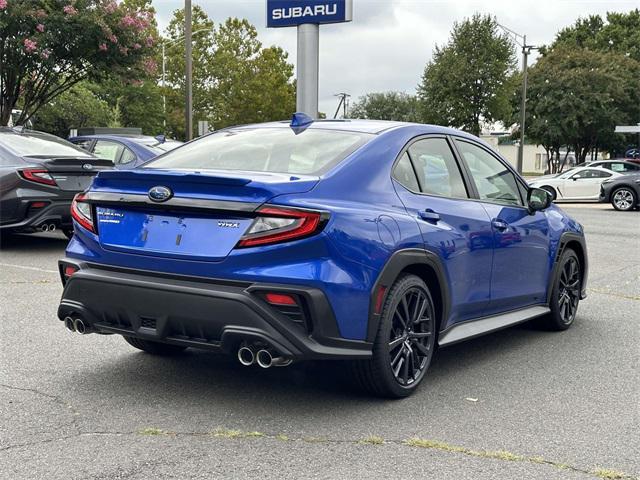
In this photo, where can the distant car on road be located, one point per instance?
(125, 151)
(580, 184)
(619, 166)
(623, 192)
(39, 176)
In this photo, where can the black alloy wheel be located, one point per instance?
(565, 295)
(405, 342)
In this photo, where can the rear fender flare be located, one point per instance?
(398, 262)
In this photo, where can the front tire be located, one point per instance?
(565, 295)
(404, 344)
(154, 348)
(624, 199)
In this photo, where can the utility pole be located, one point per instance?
(526, 51)
(344, 103)
(189, 70)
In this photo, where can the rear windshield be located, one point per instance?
(36, 144)
(277, 150)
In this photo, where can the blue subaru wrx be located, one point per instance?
(368, 241)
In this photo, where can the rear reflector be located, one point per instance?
(70, 270)
(38, 204)
(380, 298)
(280, 299)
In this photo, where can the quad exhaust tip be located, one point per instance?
(68, 322)
(246, 356)
(79, 326)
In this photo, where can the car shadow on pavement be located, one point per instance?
(43, 242)
(201, 379)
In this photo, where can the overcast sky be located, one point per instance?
(389, 41)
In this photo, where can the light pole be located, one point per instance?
(188, 69)
(526, 51)
(164, 69)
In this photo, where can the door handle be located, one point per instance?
(500, 225)
(429, 215)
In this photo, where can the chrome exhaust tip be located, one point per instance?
(68, 322)
(80, 327)
(52, 227)
(246, 356)
(264, 358)
(44, 227)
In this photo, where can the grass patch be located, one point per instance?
(254, 434)
(372, 440)
(608, 474)
(224, 433)
(152, 431)
(282, 437)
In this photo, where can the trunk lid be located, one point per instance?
(203, 218)
(73, 174)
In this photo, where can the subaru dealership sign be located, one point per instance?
(289, 13)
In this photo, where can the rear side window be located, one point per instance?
(37, 144)
(403, 173)
(108, 150)
(437, 169)
(277, 150)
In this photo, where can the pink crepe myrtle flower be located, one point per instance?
(30, 45)
(45, 53)
(113, 38)
(124, 50)
(70, 10)
(111, 7)
(137, 46)
(41, 13)
(150, 66)
(39, 27)
(149, 41)
(102, 47)
(3, 4)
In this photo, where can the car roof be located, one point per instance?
(363, 126)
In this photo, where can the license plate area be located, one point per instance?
(209, 237)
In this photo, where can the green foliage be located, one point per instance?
(467, 82)
(77, 107)
(576, 97)
(49, 46)
(397, 106)
(619, 33)
(235, 79)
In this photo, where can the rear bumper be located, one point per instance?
(202, 313)
(56, 212)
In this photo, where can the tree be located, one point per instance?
(253, 84)
(397, 106)
(48, 47)
(75, 108)
(619, 33)
(466, 83)
(576, 98)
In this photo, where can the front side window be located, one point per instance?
(108, 150)
(277, 150)
(437, 169)
(494, 181)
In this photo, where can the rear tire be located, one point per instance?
(565, 295)
(552, 191)
(404, 344)
(624, 199)
(154, 348)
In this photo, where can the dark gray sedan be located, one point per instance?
(39, 176)
(623, 192)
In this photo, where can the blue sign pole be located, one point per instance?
(307, 16)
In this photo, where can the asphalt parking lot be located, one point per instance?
(521, 403)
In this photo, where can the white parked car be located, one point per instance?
(581, 184)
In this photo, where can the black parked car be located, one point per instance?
(39, 176)
(623, 192)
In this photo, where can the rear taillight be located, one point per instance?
(277, 224)
(82, 213)
(38, 175)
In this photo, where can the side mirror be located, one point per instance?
(538, 199)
